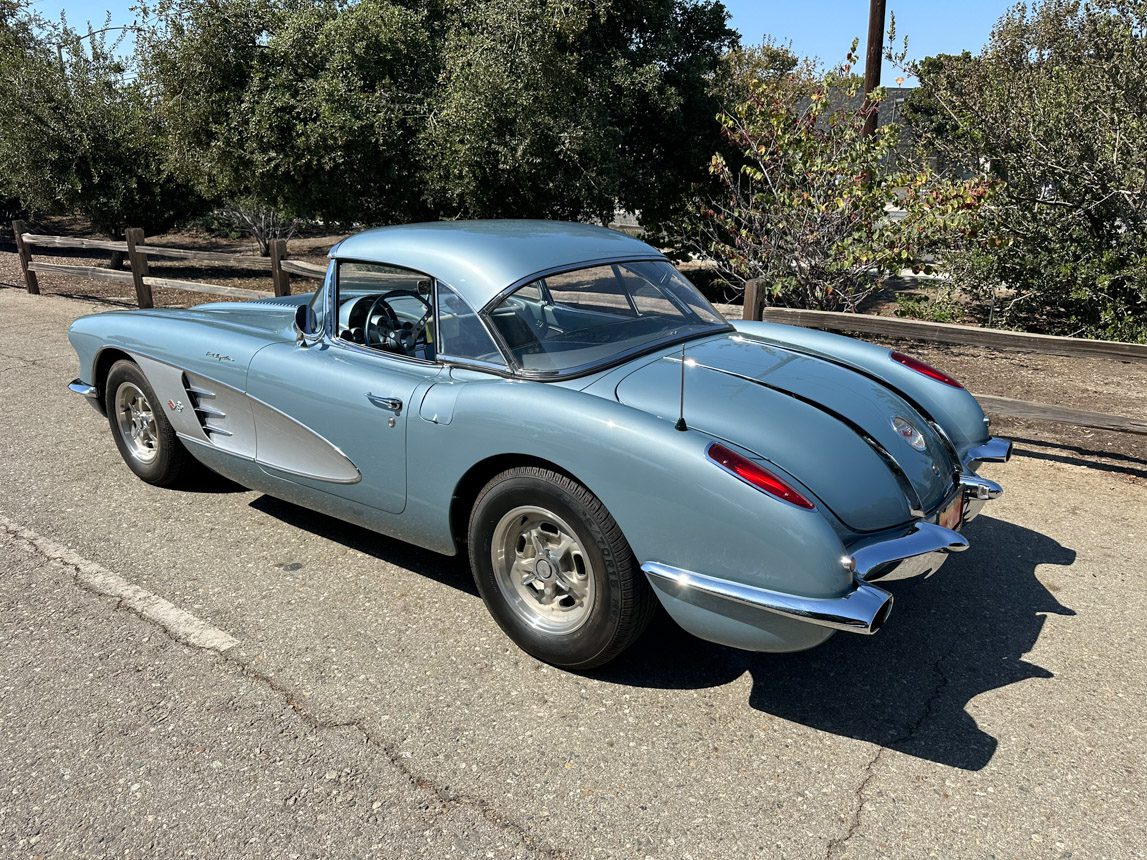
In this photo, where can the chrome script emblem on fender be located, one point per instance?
(175, 405)
(909, 433)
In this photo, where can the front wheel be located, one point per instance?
(555, 570)
(145, 438)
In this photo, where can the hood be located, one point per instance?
(261, 315)
(829, 427)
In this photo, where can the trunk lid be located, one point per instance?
(828, 426)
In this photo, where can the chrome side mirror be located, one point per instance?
(305, 325)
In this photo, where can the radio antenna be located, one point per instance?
(680, 425)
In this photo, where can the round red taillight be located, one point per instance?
(924, 368)
(752, 474)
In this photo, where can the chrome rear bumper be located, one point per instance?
(921, 551)
(863, 609)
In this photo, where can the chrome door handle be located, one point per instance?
(391, 403)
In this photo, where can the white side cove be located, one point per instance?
(204, 410)
(285, 444)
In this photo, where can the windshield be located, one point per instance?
(577, 320)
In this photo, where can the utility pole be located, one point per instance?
(874, 58)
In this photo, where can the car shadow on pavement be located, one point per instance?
(205, 481)
(1124, 464)
(448, 570)
(950, 638)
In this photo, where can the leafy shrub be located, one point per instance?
(922, 307)
(806, 198)
(1052, 113)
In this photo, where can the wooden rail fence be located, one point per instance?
(137, 252)
(280, 268)
(896, 327)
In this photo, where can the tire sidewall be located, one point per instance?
(160, 469)
(570, 650)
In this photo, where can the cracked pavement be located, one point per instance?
(371, 707)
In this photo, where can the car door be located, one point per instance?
(334, 417)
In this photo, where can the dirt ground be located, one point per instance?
(1102, 385)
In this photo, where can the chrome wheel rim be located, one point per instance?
(542, 569)
(136, 422)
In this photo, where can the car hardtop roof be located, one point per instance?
(480, 259)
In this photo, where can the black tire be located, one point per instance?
(170, 462)
(622, 602)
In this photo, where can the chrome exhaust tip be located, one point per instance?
(995, 450)
(881, 616)
(861, 611)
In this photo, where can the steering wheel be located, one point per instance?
(388, 332)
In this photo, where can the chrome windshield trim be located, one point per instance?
(76, 386)
(879, 560)
(995, 450)
(478, 364)
(861, 609)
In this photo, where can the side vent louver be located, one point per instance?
(212, 419)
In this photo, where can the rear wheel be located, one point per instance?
(145, 438)
(555, 570)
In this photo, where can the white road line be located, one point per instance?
(180, 624)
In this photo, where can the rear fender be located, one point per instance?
(954, 409)
(673, 503)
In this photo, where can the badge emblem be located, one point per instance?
(908, 433)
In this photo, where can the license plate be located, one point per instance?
(951, 516)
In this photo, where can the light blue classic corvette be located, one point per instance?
(557, 400)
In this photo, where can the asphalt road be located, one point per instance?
(215, 673)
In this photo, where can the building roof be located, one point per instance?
(479, 259)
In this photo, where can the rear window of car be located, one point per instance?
(576, 320)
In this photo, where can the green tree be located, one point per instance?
(308, 108)
(804, 199)
(742, 65)
(516, 129)
(17, 43)
(1052, 111)
(386, 110)
(571, 109)
(82, 137)
(199, 59)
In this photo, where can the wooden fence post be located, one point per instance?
(280, 280)
(19, 228)
(139, 270)
(753, 297)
